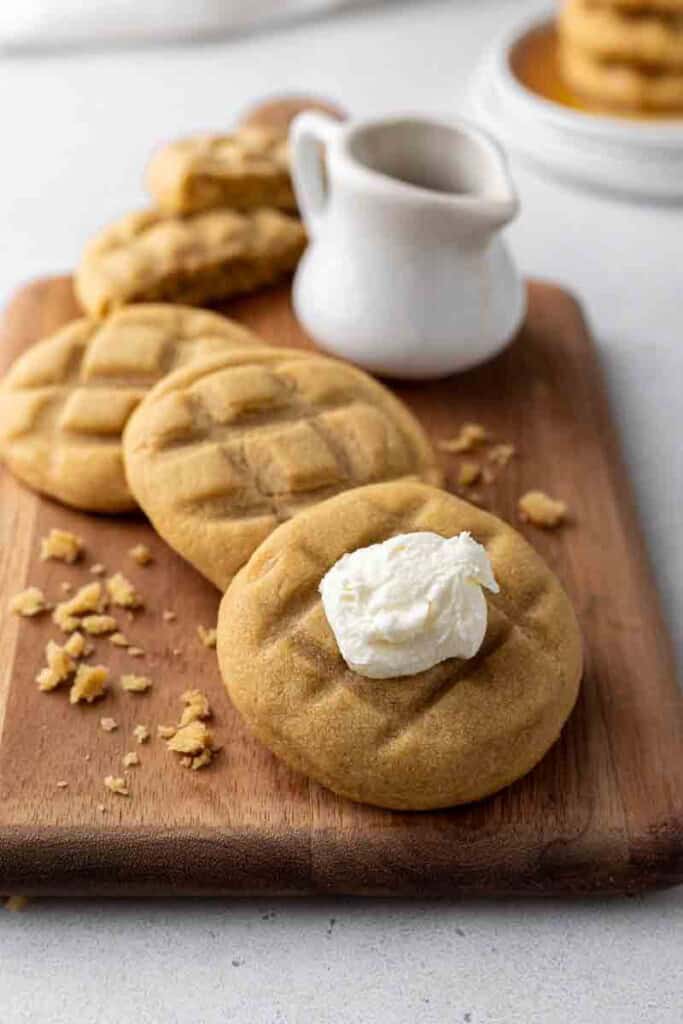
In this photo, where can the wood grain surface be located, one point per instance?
(603, 812)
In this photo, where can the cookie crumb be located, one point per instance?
(98, 569)
(29, 602)
(115, 784)
(86, 757)
(168, 615)
(136, 652)
(87, 599)
(135, 684)
(130, 759)
(76, 646)
(191, 738)
(108, 724)
(119, 640)
(122, 592)
(101, 808)
(66, 587)
(468, 473)
(141, 554)
(176, 652)
(196, 707)
(89, 684)
(201, 760)
(500, 454)
(97, 625)
(195, 742)
(540, 509)
(16, 903)
(141, 733)
(471, 435)
(60, 666)
(62, 784)
(62, 545)
(207, 636)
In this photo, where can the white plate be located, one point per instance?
(635, 158)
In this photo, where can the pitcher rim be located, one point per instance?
(380, 181)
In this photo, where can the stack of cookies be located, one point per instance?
(625, 54)
(223, 222)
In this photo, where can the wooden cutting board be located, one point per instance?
(603, 812)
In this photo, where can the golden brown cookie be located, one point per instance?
(221, 452)
(621, 85)
(455, 733)
(65, 401)
(638, 7)
(245, 170)
(276, 114)
(651, 39)
(195, 259)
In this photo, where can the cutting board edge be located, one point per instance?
(39, 862)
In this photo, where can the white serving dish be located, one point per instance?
(636, 158)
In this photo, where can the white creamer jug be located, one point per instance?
(406, 272)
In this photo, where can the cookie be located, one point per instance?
(196, 259)
(65, 401)
(221, 452)
(651, 40)
(453, 734)
(638, 7)
(276, 115)
(245, 170)
(621, 85)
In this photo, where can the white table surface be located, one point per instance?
(77, 129)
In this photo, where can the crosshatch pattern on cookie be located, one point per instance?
(245, 170)
(238, 444)
(373, 739)
(202, 257)
(65, 402)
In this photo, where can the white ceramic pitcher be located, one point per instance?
(406, 272)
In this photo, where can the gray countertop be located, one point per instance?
(77, 131)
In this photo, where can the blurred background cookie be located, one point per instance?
(617, 84)
(625, 54)
(194, 259)
(645, 37)
(243, 170)
(277, 113)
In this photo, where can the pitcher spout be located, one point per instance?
(499, 202)
(451, 172)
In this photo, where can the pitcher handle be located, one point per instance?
(309, 133)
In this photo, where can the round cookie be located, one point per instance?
(621, 85)
(277, 113)
(455, 733)
(221, 452)
(638, 7)
(649, 40)
(65, 401)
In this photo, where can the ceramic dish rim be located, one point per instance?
(665, 132)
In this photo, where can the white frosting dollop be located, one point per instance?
(400, 607)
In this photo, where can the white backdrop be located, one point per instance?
(51, 23)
